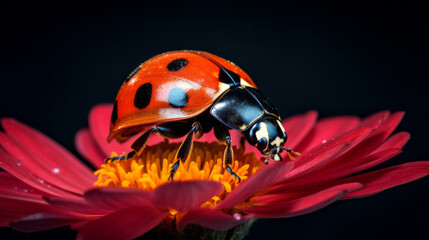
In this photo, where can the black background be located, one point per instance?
(354, 58)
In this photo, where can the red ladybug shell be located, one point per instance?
(170, 87)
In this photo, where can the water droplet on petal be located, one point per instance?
(324, 141)
(40, 180)
(237, 216)
(56, 170)
(25, 190)
(18, 162)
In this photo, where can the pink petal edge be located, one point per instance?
(327, 128)
(185, 196)
(75, 205)
(124, 224)
(24, 143)
(99, 125)
(14, 167)
(303, 205)
(118, 198)
(88, 148)
(297, 127)
(383, 179)
(264, 177)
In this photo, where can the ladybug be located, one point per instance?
(188, 93)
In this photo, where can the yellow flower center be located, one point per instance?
(152, 168)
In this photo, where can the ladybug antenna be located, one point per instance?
(224, 74)
(292, 154)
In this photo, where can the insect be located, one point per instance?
(189, 93)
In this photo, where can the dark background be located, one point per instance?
(355, 58)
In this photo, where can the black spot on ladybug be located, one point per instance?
(114, 113)
(177, 97)
(177, 64)
(134, 72)
(143, 95)
(229, 77)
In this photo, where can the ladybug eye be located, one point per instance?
(262, 144)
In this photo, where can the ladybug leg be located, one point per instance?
(183, 153)
(120, 158)
(140, 143)
(224, 137)
(243, 142)
(166, 130)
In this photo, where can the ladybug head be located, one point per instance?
(269, 136)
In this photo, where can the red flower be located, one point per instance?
(44, 186)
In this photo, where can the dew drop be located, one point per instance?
(18, 162)
(324, 141)
(25, 190)
(237, 216)
(56, 170)
(40, 180)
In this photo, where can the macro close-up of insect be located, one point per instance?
(190, 93)
(214, 120)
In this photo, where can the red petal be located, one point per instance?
(383, 115)
(75, 205)
(213, 219)
(297, 127)
(117, 198)
(376, 138)
(44, 221)
(88, 148)
(264, 177)
(9, 185)
(14, 167)
(99, 125)
(185, 196)
(36, 165)
(303, 205)
(353, 160)
(380, 180)
(323, 155)
(332, 172)
(14, 209)
(318, 160)
(351, 138)
(396, 141)
(208, 137)
(124, 224)
(326, 129)
(25, 143)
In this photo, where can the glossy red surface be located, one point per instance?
(199, 79)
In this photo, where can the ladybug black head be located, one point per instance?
(268, 135)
